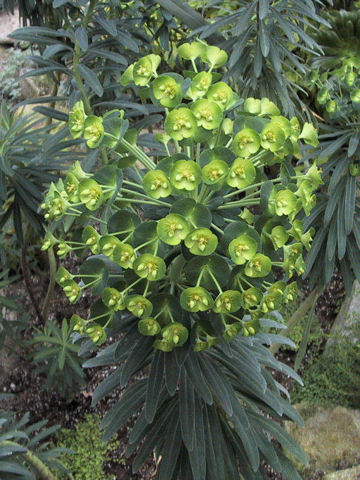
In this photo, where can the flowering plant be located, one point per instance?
(188, 240)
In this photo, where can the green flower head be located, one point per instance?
(272, 137)
(72, 290)
(252, 105)
(145, 68)
(113, 299)
(185, 175)
(242, 249)
(63, 249)
(55, 206)
(175, 333)
(63, 276)
(139, 306)
(163, 345)
(71, 187)
(285, 202)
(259, 266)
(97, 334)
(148, 326)
(231, 331)
(246, 142)
(49, 241)
(221, 94)
(355, 95)
(290, 292)
(252, 297)
(201, 241)
(215, 172)
(124, 255)
(108, 243)
(295, 128)
(128, 76)
(167, 91)
(268, 108)
(173, 229)
(77, 171)
(191, 51)
(199, 85)
(156, 184)
(196, 299)
(93, 131)
(150, 267)
(293, 259)
(214, 56)
(283, 123)
(309, 135)
(76, 121)
(207, 113)
(180, 123)
(90, 193)
(279, 236)
(78, 324)
(228, 302)
(242, 173)
(91, 238)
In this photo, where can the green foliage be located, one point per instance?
(335, 83)
(89, 452)
(266, 42)
(25, 452)
(184, 269)
(29, 158)
(56, 355)
(334, 377)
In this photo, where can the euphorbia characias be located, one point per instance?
(182, 243)
(191, 237)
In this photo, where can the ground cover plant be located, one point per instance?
(184, 268)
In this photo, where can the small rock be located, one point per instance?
(348, 474)
(331, 437)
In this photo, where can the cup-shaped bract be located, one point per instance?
(76, 121)
(148, 326)
(167, 91)
(229, 301)
(242, 173)
(207, 113)
(201, 241)
(196, 299)
(185, 175)
(242, 249)
(175, 333)
(172, 229)
(180, 123)
(259, 266)
(156, 184)
(139, 305)
(246, 142)
(149, 266)
(93, 131)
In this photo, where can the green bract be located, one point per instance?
(173, 229)
(215, 172)
(167, 91)
(196, 299)
(201, 242)
(242, 249)
(156, 184)
(207, 113)
(228, 302)
(150, 267)
(178, 230)
(145, 69)
(93, 131)
(246, 142)
(185, 175)
(77, 120)
(180, 123)
(221, 94)
(242, 173)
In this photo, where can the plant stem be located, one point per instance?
(25, 272)
(40, 467)
(50, 290)
(296, 317)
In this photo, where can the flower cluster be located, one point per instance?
(189, 244)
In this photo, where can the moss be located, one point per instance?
(334, 378)
(90, 452)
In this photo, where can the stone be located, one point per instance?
(8, 23)
(348, 317)
(348, 474)
(331, 437)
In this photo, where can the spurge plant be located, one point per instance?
(188, 243)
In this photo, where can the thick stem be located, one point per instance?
(26, 275)
(297, 317)
(50, 290)
(40, 467)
